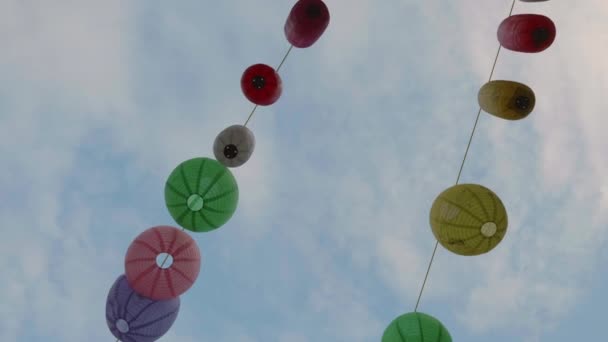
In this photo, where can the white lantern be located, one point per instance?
(234, 146)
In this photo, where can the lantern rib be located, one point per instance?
(167, 256)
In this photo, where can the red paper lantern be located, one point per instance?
(261, 84)
(526, 33)
(307, 21)
(145, 257)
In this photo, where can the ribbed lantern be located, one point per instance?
(468, 219)
(234, 146)
(162, 263)
(201, 194)
(261, 84)
(416, 327)
(506, 99)
(134, 318)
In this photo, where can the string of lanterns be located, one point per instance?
(470, 219)
(201, 195)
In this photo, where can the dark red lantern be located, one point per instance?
(526, 33)
(307, 21)
(261, 84)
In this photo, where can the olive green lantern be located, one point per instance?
(201, 194)
(508, 100)
(416, 327)
(468, 219)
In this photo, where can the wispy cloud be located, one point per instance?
(99, 102)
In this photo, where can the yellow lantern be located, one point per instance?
(468, 219)
(506, 99)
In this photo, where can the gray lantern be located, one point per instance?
(234, 146)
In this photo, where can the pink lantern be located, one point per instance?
(162, 263)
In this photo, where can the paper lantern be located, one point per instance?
(162, 263)
(201, 194)
(468, 219)
(134, 318)
(234, 146)
(306, 22)
(506, 99)
(416, 327)
(261, 84)
(526, 33)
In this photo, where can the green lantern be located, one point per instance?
(416, 327)
(468, 219)
(201, 194)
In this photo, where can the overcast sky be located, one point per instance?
(101, 100)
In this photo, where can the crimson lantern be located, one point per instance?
(261, 84)
(307, 21)
(526, 33)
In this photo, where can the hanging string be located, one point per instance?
(277, 70)
(250, 115)
(247, 121)
(284, 57)
(461, 166)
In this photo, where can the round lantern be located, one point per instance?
(416, 327)
(261, 84)
(526, 33)
(162, 263)
(506, 99)
(234, 146)
(306, 22)
(131, 317)
(468, 219)
(201, 194)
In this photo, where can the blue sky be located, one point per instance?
(330, 241)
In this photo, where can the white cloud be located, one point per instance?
(381, 116)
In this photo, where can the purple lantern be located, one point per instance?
(134, 318)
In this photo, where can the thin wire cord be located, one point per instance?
(426, 276)
(250, 115)
(278, 68)
(284, 57)
(466, 152)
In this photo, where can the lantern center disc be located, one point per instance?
(522, 102)
(540, 35)
(195, 202)
(488, 229)
(258, 82)
(313, 11)
(122, 326)
(230, 151)
(164, 260)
